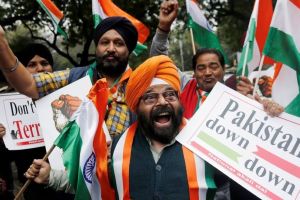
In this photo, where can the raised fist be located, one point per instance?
(265, 85)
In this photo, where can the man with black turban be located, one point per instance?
(115, 38)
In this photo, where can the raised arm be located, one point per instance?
(167, 14)
(14, 71)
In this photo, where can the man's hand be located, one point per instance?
(265, 85)
(270, 107)
(244, 86)
(167, 14)
(2, 130)
(39, 171)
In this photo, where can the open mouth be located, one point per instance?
(163, 119)
(209, 80)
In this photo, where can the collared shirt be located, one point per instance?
(157, 153)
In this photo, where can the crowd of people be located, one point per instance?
(147, 108)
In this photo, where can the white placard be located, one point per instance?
(45, 111)
(19, 117)
(235, 135)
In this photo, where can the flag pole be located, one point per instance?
(245, 59)
(258, 74)
(193, 43)
(27, 183)
(181, 53)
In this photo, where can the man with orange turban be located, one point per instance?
(148, 163)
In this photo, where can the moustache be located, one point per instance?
(162, 109)
(110, 55)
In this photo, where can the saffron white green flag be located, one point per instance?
(84, 144)
(54, 13)
(283, 45)
(106, 8)
(202, 31)
(256, 36)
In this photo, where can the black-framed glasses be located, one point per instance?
(152, 98)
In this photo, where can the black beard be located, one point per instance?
(162, 135)
(112, 69)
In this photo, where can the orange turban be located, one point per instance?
(161, 67)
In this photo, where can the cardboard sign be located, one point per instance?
(19, 117)
(52, 119)
(235, 135)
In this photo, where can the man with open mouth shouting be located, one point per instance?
(159, 166)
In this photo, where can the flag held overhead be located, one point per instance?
(55, 15)
(256, 36)
(283, 45)
(202, 31)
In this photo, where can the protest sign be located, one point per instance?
(18, 115)
(235, 135)
(54, 112)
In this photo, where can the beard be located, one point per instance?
(163, 135)
(111, 68)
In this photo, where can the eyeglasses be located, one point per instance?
(152, 98)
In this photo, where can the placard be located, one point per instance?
(52, 120)
(19, 117)
(235, 135)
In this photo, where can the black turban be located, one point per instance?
(120, 24)
(34, 49)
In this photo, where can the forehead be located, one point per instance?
(111, 34)
(207, 58)
(37, 58)
(159, 88)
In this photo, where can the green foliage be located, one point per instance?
(230, 17)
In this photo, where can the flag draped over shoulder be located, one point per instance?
(202, 31)
(256, 37)
(106, 8)
(283, 45)
(54, 13)
(84, 144)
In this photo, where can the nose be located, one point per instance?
(39, 68)
(208, 71)
(161, 100)
(111, 47)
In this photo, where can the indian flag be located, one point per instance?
(84, 144)
(283, 45)
(54, 13)
(106, 8)
(202, 31)
(256, 37)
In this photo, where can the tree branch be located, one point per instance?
(52, 45)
